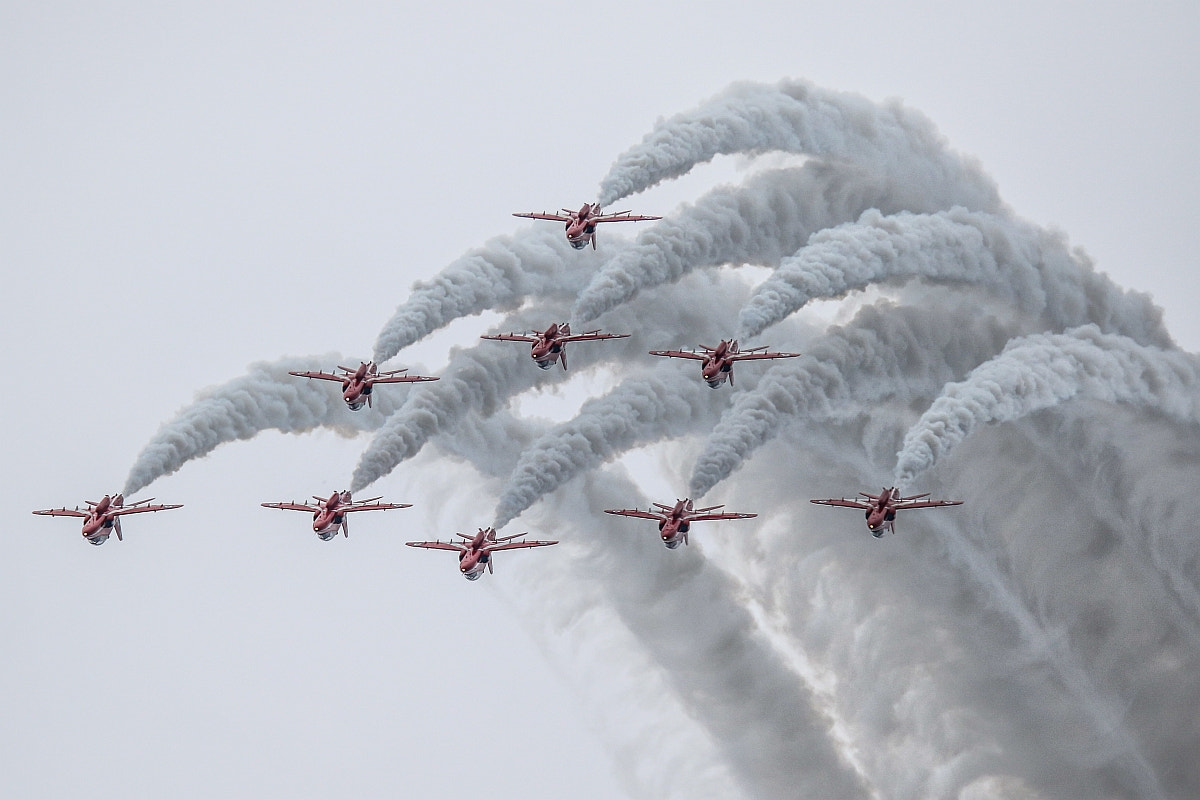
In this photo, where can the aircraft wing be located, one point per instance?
(438, 545)
(511, 337)
(842, 502)
(491, 548)
(402, 379)
(322, 376)
(749, 356)
(634, 512)
(679, 354)
(543, 215)
(375, 506)
(623, 217)
(927, 504)
(120, 512)
(292, 506)
(580, 337)
(62, 512)
(720, 515)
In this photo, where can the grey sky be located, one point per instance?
(186, 190)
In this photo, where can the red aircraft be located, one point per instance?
(581, 224)
(329, 514)
(674, 522)
(550, 345)
(881, 509)
(718, 361)
(103, 518)
(475, 553)
(358, 383)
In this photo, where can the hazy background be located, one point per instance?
(186, 190)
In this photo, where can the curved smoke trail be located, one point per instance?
(639, 411)
(266, 398)
(1018, 263)
(798, 117)
(534, 262)
(1043, 370)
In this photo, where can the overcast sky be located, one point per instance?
(186, 189)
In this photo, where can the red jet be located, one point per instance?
(881, 509)
(550, 345)
(581, 224)
(102, 519)
(329, 514)
(718, 361)
(674, 522)
(475, 553)
(358, 383)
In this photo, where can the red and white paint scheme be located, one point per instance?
(581, 224)
(718, 361)
(102, 518)
(675, 521)
(358, 383)
(550, 345)
(475, 552)
(881, 508)
(329, 513)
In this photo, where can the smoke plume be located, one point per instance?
(1020, 264)
(1043, 370)
(798, 117)
(500, 275)
(266, 398)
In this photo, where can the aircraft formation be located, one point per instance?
(547, 347)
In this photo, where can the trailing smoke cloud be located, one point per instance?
(639, 411)
(1041, 371)
(797, 117)
(1017, 262)
(265, 398)
(499, 275)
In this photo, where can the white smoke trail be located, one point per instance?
(1018, 263)
(886, 352)
(506, 270)
(263, 399)
(798, 117)
(638, 411)
(1043, 370)
(761, 221)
